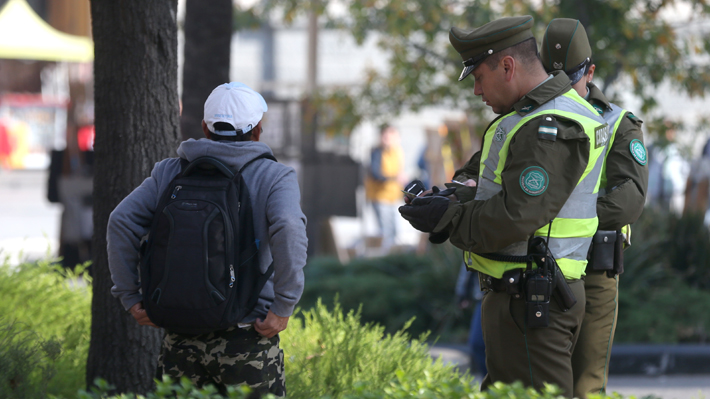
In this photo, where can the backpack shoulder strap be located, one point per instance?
(264, 155)
(183, 165)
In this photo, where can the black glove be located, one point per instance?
(438, 238)
(424, 213)
(443, 193)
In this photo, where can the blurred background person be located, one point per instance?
(667, 173)
(70, 182)
(697, 186)
(384, 182)
(469, 294)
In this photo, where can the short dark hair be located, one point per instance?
(525, 52)
(227, 127)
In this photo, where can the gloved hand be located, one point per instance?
(443, 193)
(438, 238)
(424, 213)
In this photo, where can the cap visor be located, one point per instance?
(466, 71)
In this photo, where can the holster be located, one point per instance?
(510, 282)
(618, 256)
(560, 289)
(601, 252)
(607, 252)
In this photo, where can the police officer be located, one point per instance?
(537, 176)
(622, 193)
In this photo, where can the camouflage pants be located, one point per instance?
(223, 358)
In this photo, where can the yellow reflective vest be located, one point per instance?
(572, 229)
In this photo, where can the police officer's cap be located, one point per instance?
(565, 47)
(476, 45)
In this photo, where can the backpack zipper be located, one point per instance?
(175, 192)
(231, 276)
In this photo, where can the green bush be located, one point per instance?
(56, 305)
(665, 289)
(329, 353)
(26, 362)
(394, 289)
(669, 246)
(401, 386)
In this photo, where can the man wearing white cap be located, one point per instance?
(232, 126)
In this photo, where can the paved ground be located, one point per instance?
(663, 387)
(29, 224)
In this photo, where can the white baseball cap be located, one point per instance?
(234, 103)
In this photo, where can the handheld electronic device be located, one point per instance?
(413, 189)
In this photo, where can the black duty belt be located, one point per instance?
(507, 258)
(510, 283)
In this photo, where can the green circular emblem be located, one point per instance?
(534, 180)
(638, 151)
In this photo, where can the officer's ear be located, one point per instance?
(590, 74)
(508, 64)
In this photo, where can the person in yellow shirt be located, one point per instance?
(383, 183)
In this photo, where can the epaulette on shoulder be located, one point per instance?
(569, 129)
(635, 119)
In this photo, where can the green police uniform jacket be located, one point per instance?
(513, 215)
(625, 175)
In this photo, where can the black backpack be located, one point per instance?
(200, 263)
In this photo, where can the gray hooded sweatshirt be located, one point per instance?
(279, 223)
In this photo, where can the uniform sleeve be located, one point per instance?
(288, 242)
(512, 215)
(627, 180)
(468, 171)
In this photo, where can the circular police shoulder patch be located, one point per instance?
(534, 180)
(638, 151)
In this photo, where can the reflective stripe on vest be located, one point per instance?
(576, 223)
(613, 118)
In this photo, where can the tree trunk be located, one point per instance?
(136, 110)
(208, 36)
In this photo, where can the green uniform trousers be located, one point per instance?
(534, 356)
(590, 359)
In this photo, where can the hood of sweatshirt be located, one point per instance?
(233, 153)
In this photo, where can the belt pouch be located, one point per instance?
(603, 250)
(512, 282)
(618, 254)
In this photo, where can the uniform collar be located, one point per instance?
(598, 99)
(546, 91)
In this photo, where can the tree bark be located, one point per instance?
(208, 37)
(136, 119)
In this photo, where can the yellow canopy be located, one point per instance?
(24, 35)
